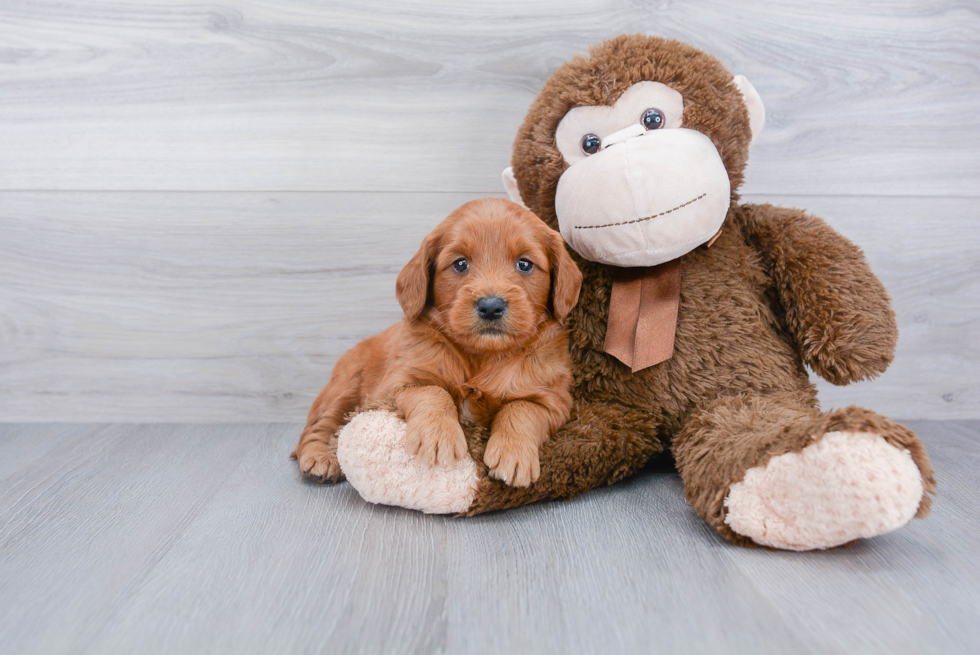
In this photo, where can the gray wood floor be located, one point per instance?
(192, 539)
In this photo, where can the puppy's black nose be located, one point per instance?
(491, 308)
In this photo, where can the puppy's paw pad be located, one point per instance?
(319, 463)
(512, 460)
(436, 443)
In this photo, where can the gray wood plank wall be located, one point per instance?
(203, 204)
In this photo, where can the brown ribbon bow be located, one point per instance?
(643, 313)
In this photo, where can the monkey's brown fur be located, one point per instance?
(779, 290)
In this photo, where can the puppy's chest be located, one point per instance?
(483, 395)
(477, 406)
(494, 383)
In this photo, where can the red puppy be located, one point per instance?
(483, 299)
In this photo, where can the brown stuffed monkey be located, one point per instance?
(696, 320)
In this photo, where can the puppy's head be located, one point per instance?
(489, 275)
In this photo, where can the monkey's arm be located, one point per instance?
(836, 309)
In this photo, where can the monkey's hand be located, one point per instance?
(836, 309)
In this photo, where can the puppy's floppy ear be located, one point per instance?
(412, 287)
(566, 279)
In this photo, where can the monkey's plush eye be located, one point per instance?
(525, 265)
(461, 265)
(653, 119)
(591, 144)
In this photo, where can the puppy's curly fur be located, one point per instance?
(511, 372)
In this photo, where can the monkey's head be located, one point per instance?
(635, 153)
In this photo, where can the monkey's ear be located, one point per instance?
(510, 186)
(412, 286)
(566, 279)
(753, 102)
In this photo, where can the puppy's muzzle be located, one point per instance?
(491, 308)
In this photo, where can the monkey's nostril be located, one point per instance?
(491, 308)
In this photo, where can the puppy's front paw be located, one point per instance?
(318, 461)
(512, 459)
(435, 441)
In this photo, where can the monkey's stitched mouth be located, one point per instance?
(645, 218)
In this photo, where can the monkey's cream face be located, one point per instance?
(640, 189)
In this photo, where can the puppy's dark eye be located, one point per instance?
(461, 265)
(525, 265)
(591, 144)
(653, 119)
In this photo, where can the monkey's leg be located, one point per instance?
(372, 450)
(775, 471)
(600, 444)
